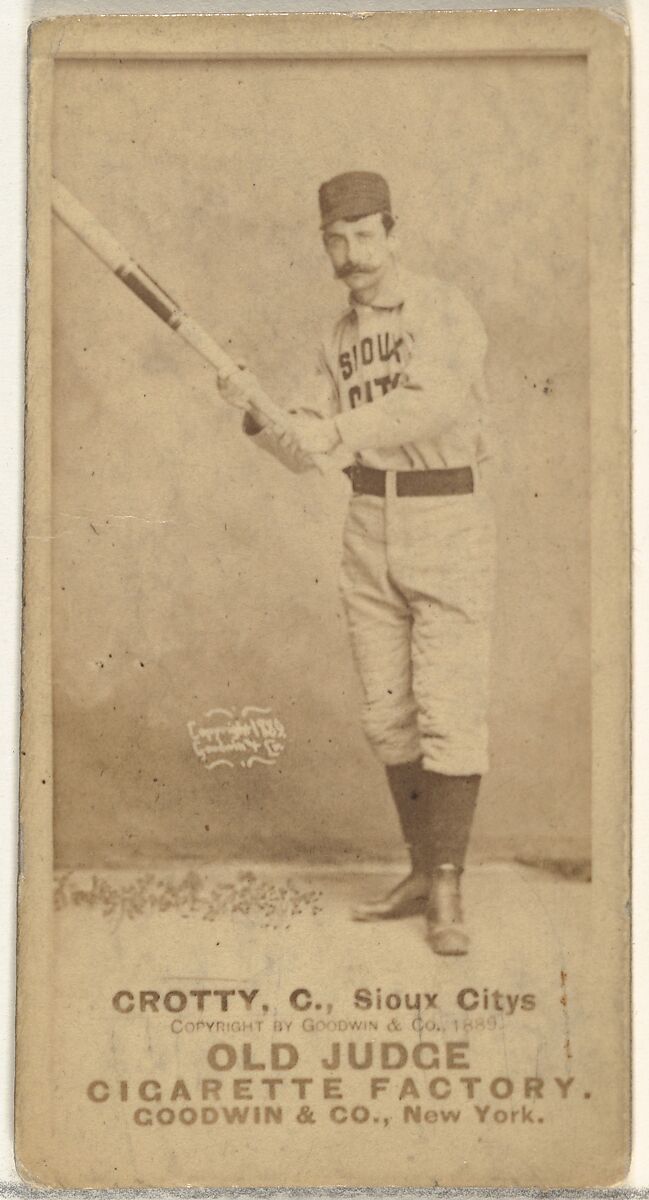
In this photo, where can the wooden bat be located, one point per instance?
(96, 237)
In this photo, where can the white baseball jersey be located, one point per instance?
(403, 378)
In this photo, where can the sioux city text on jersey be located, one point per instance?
(404, 377)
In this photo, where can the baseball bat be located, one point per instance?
(96, 237)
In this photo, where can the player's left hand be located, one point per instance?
(315, 435)
(239, 388)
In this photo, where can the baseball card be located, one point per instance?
(325, 733)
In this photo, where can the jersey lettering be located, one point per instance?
(380, 348)
(345, 363)
(372, 350)
(385, 383)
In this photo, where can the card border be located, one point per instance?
(603, 41)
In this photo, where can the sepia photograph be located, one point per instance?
(325, 745)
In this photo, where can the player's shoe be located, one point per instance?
(405, 900)
(444, 918)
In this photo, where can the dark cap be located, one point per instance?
(352, 195)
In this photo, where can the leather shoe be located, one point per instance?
(407, 898)
(445, 923)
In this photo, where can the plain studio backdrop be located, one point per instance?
(192, 572)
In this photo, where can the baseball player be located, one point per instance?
(398, 401)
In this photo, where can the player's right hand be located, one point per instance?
(286, 440)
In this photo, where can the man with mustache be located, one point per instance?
(398, 404)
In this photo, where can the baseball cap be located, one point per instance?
(352, 195)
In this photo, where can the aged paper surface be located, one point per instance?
(230, 741)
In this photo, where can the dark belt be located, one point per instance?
(449, 481)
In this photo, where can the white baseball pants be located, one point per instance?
(417, 583)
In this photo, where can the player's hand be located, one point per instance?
(315, 435)
(285, 438)
(238, 388)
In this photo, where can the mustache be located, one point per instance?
(352, 269)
